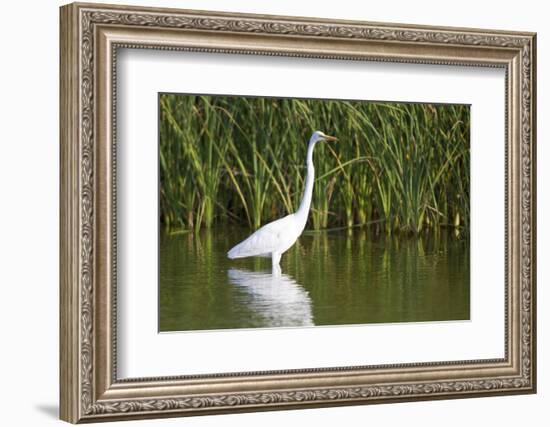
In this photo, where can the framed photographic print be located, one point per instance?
(266, 212)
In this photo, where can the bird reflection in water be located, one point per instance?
(277, 298)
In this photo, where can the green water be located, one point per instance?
(330, 278)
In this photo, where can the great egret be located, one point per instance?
(275, 238)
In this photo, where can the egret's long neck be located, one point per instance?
(305, 204)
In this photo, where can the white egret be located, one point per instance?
(275, 238)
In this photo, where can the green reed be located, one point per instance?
(396, 168)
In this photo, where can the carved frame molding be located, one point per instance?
(90, 37)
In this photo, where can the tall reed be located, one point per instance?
(397, 167)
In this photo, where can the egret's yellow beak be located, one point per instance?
(330, 138)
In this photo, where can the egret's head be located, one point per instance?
(321, 136)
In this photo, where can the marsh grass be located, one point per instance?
(397, 168)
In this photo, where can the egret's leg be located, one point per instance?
(275, 267)
(275, 258)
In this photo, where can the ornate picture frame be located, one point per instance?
(90, 37)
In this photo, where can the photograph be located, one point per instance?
(273, 209)
(288, 212)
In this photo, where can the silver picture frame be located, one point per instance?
(90, 37)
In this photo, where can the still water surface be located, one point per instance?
(328, 278)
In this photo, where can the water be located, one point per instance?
(328, 278)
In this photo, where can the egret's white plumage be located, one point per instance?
(275, 238)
